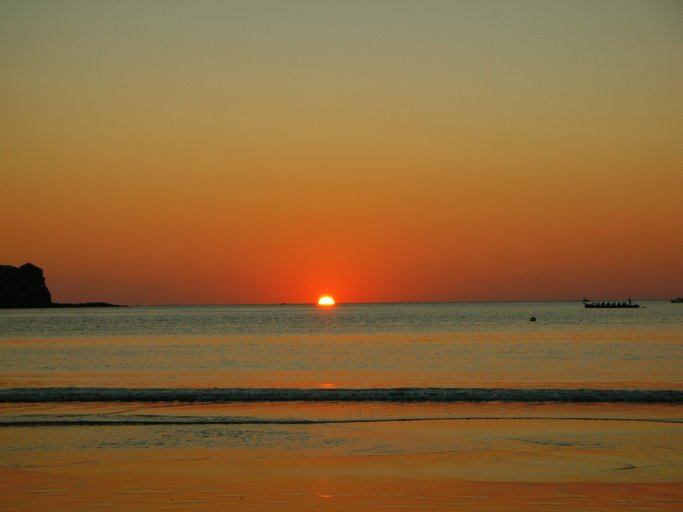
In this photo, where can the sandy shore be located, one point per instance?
(473, 464)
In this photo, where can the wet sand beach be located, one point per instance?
(618, 462)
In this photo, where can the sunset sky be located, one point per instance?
(378, 151)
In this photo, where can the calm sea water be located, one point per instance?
(348, 346)
(178, 378)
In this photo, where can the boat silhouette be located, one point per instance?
(609, 304)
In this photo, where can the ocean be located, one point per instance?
(463, 345)
(396, 394)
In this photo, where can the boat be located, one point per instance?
(610, 304)
(677, 300)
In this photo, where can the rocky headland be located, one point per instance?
(24, 287)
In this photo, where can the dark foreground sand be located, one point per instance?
(474, 464)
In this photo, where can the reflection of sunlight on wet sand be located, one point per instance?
(322, 488)
(437, 465)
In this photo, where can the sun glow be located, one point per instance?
(326, 301)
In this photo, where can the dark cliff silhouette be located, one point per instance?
(24, 287)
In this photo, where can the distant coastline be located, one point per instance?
(86, 305)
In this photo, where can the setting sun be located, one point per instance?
(326, 301)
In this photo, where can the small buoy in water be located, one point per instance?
(532, 319)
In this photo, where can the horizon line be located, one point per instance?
(512, 301)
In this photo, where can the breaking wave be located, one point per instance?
(222, 395)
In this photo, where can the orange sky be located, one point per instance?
(270, 152)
